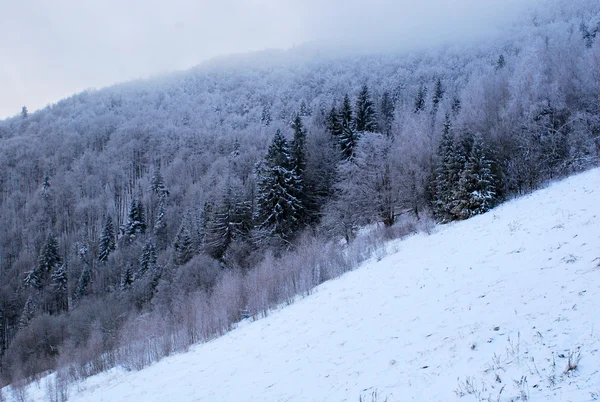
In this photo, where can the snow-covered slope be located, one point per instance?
(498, 302)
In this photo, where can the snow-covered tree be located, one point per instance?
(147, 259)
(107, 240)
(183, 246)
(136, 220)
(279, 210)
(475, 192)
(365, 116)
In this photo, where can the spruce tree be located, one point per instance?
(387, 113)
(500, 63)
(447, 174)
(160, 226)
(107, 240)
(365, 115)
(183, 246)
(345, 115)
(48, 261)
(147, 259)
(232, 220)
(438, 95)
(475, 192)
(85, 279)
(420, 99)
(127, 277)
(60, 283)
(279, 210)
(265, 117)
(136, 220)
(334, 125)
(157, 184)
(348, 142)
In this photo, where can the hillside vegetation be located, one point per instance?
(173, 208)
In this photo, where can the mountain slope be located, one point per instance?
(498, 301)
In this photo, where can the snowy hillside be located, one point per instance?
(492, 307)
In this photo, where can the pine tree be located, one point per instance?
(147, 259)
(365, 115)
(500, 63)
(447, 174)
(387, 113)
(348, 142)
(475, 192)
(298, 145)
(24, 112)
(345, 115)
(420, 99)
(232, 220)
(127, 277)
(456, 106)
(265, 117)
(305, 110)
(136, 220)
(60, 283)
(157, 184)
(438, 95)
(183, 246)
(83, 283)
(107, 240)
(279, 209)
(28, 312)
(48, 261)
(334, 125)
(160, 226)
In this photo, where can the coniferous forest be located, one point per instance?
(142, 218)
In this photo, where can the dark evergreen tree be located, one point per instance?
(438, 95)
(83, 284)
(279, 210)
(160, 226)
(475, 192)
(157, 184)
(183, 246)
(387, 113)
(48, 261)
(365, 114)
(265, 117)
(60, 282)
(298, 148)
(127, 277)
(305, 110)
(28, 313)
(348, 142)
(136, 220)
(500, 63)
(107, 240)
(345, 114)
(334, 125)
(233, 220)
(24, 112)
(147, 259)
(420, 99)
(448, 171)
(456, 106)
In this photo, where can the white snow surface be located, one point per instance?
(500, 300)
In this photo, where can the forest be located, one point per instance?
(142, 218)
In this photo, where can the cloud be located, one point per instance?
(53, 49)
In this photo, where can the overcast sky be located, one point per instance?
(52, 49)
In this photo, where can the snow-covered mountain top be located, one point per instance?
(490, 307)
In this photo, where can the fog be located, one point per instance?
(51, 50)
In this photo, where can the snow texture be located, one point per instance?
(497, 302)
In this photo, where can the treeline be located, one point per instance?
(193, 200)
